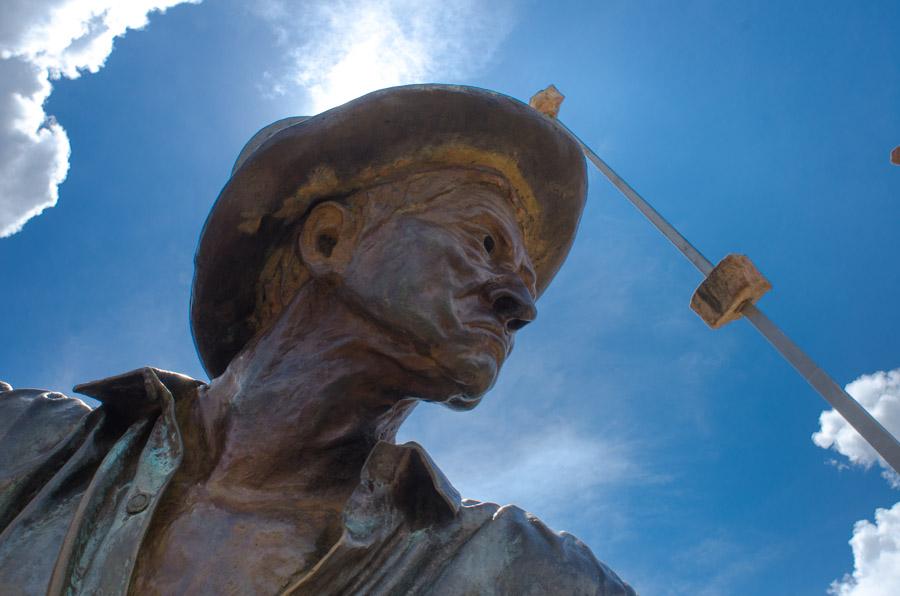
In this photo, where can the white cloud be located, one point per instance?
(876, 557)
(40, 41)
(554, 468)
(558, 465)
(341, 49)
(876, 547)
(879, 393)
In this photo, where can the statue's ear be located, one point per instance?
(328, 239)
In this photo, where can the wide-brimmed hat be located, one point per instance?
(290, 165)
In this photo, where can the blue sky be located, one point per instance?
(681, 455)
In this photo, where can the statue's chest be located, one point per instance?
(211, 551)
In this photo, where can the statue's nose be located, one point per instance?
(512, 304)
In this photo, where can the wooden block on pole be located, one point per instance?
(547, 101)
(734, 282)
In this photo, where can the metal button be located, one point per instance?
(137, 503)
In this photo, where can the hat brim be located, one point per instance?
(355, 145)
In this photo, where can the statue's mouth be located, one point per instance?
(497, 338)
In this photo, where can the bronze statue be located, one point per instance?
(357, 262)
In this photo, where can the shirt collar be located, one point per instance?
(395, 478)
(134, 393)
(399, 479)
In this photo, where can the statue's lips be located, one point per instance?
(497, 337)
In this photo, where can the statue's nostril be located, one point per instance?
(516, 324)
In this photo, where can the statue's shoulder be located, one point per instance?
(32, 421)
(528, 557)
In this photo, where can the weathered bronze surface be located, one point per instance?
(282, 476)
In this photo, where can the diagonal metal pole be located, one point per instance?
(859, 418)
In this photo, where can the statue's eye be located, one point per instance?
(489, 244)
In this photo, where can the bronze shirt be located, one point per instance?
(79, 487)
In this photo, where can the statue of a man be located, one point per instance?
(357, 262)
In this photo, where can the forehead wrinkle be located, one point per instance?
(500, 220)
(415, 192)
(484, 193)
(469, 204)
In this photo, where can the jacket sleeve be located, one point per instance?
(513, 552)
(36, 430)
(542, 561)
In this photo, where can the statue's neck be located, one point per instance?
(298, 411)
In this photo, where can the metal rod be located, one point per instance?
(668, 230)
(857, 416)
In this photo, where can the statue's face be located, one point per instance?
(452, 279)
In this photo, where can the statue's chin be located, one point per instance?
(462, 403)
(472, 378)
